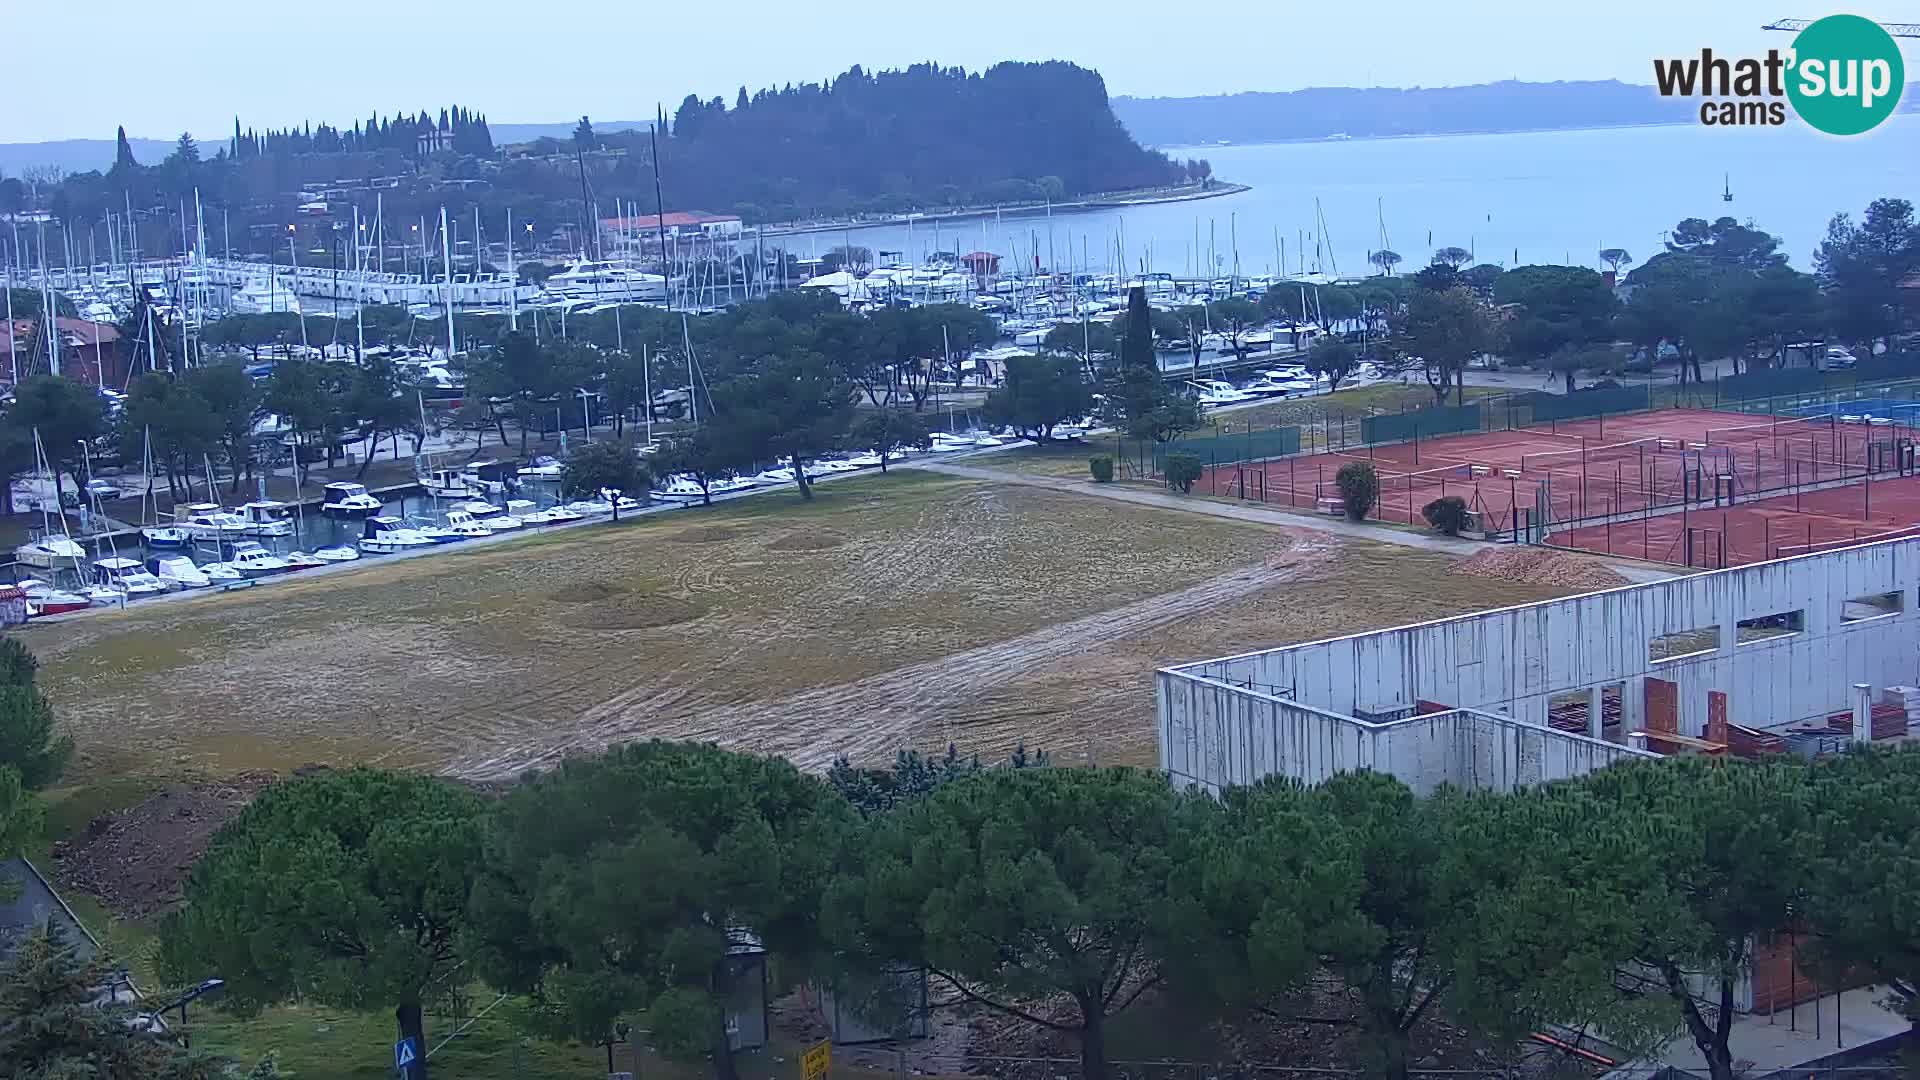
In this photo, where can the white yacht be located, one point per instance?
(681, 489)
(544, 466)
(1214, 392)
(264, 296)
(268, 517)
(180, 571)
(207, 521)
(49, 552)
(386, 535)
(127, 576)
(605, 281)
(781, 475)
(466, 526)
(253, 561)
(349, 500)
(448, 484)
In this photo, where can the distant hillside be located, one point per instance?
(75, 155)
(1320, 112)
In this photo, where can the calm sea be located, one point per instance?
(1552, 196)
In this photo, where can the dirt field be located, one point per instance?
(900, 611)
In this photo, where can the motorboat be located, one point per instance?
(300, 560)
(268, 517)
(433, 530)
(1215, 392)
(587, 508)
(628, 505)
(868, 460)
(44, 599)
(448, 484)
(502, 522)
(349, 500)
(479, 508)
(219, 573)
(336, 554)
(727, 485)
(386, 535)
(207, 521)
(254, 561)
(488, 478)
(128, 577)
(49, 552)
(104, 596)
(781, 475)
(560, 515)
(465, 526)
(165, 537)
(944, 443)
(528, 512)
(1268, 387)
(543, 466)
(179, 570)
(681, 489)
(836, 465)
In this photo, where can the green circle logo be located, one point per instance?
(1846, 74)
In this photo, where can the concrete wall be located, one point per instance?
(1512, 661)
(1214, 735)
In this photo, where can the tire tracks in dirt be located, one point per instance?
(871, 718)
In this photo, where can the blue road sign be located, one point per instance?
(405, 1053)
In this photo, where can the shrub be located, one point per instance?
(1182, 471)
(1359, 488)
(17, 664)
(1447, 514)
(1102, 468)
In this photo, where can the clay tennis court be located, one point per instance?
(1695, 487)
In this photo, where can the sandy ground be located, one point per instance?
(894, 612)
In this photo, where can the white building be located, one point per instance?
(1794, 650)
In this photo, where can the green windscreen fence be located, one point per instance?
(1771, 383)
(1421, 423)
(1226, 448)
(1584, 403)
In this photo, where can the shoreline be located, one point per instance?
(1116, 201)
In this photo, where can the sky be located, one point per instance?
(207, 60)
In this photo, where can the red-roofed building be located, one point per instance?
(90, 352)
(678, 224)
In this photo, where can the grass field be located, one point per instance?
(896, 611)
(908, 610)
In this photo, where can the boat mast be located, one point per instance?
(693, 395)
(446, 255)
(359, 309)
(513, 279)
(13, 343)
(660, 215)
(294, 254)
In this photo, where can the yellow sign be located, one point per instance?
(814, 1063)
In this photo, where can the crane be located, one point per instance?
(1907, 30)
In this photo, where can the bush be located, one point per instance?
(17, 664)
(1447, 514)
(1102, 468)
(1359, 488)
(28, 742)
(1182, 471)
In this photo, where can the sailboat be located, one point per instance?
(49, 551)
(156, 536)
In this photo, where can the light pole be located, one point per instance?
(586, 417)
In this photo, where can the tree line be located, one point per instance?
(1720, 290)
(609, 890)
(861, 142)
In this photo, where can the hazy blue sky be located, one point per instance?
(162, 68)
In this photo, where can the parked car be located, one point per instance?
(105, 489)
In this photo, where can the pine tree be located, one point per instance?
(123, 152)
(50, 1024)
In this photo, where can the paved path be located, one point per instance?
(1264, 515)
